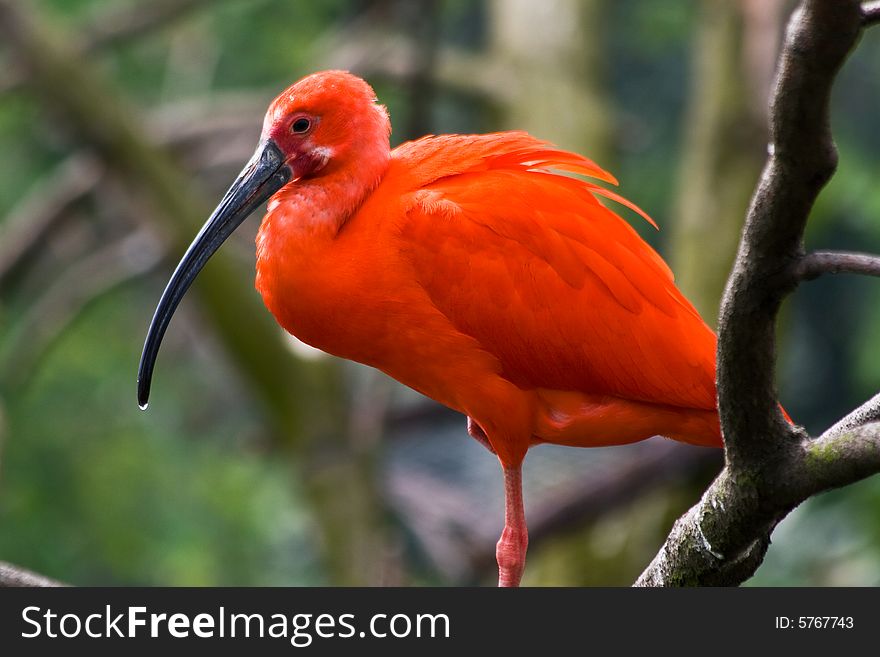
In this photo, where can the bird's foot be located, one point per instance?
(510, 551)
(479, 435)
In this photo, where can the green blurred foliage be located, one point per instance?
(93, 491)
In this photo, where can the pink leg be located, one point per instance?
(479, 435)
(511, 548)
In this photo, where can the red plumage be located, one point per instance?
(475, 269)
(513, 284)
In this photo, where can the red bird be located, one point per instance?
(470, 269)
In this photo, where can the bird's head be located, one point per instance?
(326, 122)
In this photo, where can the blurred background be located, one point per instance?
(262, 462)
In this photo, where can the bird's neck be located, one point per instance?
(300, 230)
(318, 207)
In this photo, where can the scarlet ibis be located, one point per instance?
(472, 268)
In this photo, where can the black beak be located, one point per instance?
(264, 175)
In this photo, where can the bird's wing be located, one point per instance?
(558, 287)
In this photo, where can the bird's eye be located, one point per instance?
(301, 125)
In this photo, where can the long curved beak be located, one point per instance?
(264, 175)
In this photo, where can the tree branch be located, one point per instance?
(802, 159)
(836, 460)
(85, 281)
(864, 414)
(379, 52)
(771, 465)
(41, 210)
(16, 576)
(815, 264)
(121, 26)
(871, 13)
(351, 518)
(113, 131)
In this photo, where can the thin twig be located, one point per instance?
(871, 13)
(380, 53)
(223, 139)
(121, 26)
(41, 210)
(817, 263)
(864, 414)
(12, 576)
(94, 276)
